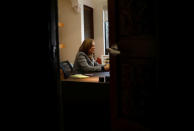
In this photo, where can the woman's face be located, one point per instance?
(92, 49)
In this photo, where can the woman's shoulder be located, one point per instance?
(81, 53)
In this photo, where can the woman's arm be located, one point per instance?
(96, 63)
(86, 67)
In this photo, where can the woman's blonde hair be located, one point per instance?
(86, 45)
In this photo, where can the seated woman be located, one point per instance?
(84, 61)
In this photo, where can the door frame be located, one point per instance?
(53, 59)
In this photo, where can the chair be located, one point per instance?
(67, 68)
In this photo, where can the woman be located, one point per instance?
(84, 61)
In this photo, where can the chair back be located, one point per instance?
(67, 68)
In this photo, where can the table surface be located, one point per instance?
(93, 77)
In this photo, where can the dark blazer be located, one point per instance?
(83, 64)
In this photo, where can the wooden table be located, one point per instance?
(93, 78)
(86, 88)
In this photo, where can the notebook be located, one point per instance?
(79, 76)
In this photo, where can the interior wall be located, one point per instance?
(72, 34)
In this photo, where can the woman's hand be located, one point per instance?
(107, 67)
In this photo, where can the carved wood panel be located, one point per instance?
(135, 88)
(135, 35)
(135, 17)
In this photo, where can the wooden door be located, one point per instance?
(134, 73)
(88, 22)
